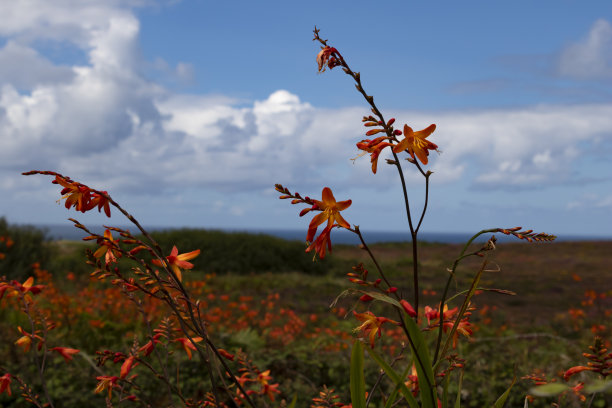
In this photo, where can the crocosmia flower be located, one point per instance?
(76, 194)
(65, 352)
(330, 212)
(188, 345)
(374, 147)
(178, 262)
(328, 57)
(108, 248)
(372, 325)
(106, 382)
(5, 384)
(416, 143)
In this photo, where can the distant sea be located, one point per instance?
(339, 236)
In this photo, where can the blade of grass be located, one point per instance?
(502, 398)
(357, 376)
(458, 400)
(395, 377)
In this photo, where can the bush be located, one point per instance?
(28, 247)
(241, 252)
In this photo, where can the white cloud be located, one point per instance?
(590, 58)
(23, 67)
(104, 124)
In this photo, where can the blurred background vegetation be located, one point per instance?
(515, 336)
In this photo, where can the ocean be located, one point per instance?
(339, 236)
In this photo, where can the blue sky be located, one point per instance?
(188, 112)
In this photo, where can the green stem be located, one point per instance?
(462, 256)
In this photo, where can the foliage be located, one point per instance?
(240, 252)
(28, 246)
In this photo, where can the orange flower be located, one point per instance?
(65, 352)
(464, 327)
(322, 242)
(126, 367)
(5, 384)
(267, 388)
(328, 57)
(416, 143)
(176, 261)
(575, 370)
(188, 345)
(148, 348)
(106, 382)
(108, 248)
(101, 201)
(330, 213)
(76, 194)
(374, 147)
(408, 308)
(371, 325)
(25, 340)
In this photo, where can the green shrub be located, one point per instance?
(29, 247)
(241, 252)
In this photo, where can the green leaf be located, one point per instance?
(427, 383)
(391, 398)
(598, 386)
(445, 392)
(548, 390)
(458, 400)
(502, 398)
(395, 377)
(293, 401)
(381, 296)
(357, 376)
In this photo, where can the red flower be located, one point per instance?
(5, 384)
(575, 370)
(374, 147)
(226, 355)
(76, 194)
(322, 242)
(408, 308)
(65, 352)
(126, 367)
(101, 201)
(108, 247)
(148, 348)
(188, 345)
(329, 56)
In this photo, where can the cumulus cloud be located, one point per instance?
(590, 58)
(104, 123)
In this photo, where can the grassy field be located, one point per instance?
(306, 347)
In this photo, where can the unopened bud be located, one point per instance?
(391, 121)
(397, 132)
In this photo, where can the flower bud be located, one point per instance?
(408, 308)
